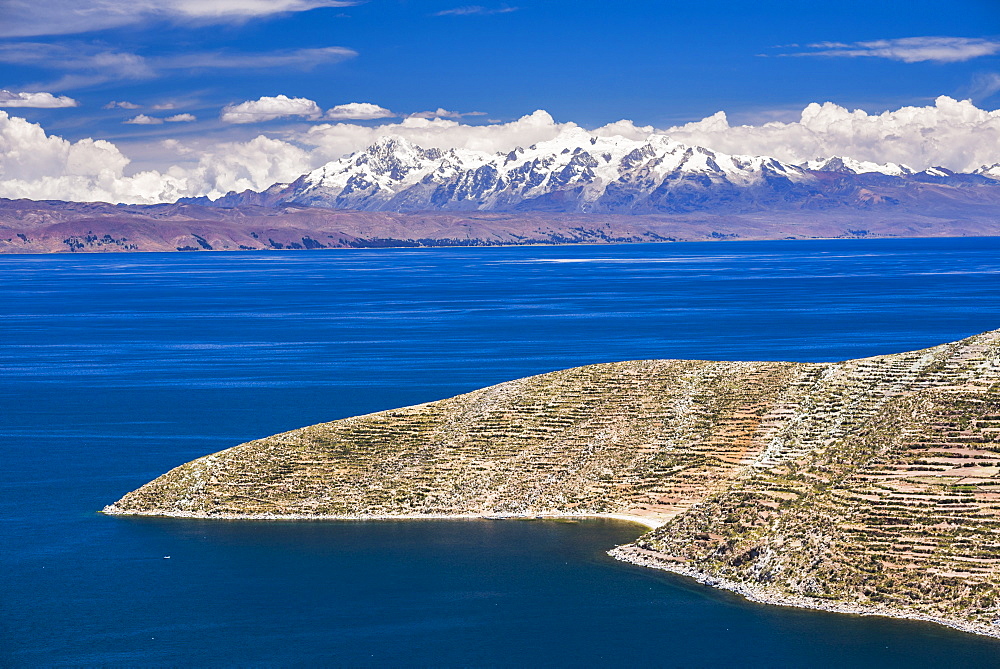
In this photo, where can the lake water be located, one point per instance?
(115, 368)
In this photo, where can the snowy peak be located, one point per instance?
(938, 172)
(583, 172)
(390, 165)
(851, 166)
(989, 171)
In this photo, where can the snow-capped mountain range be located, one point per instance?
(583, 173)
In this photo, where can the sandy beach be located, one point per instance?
(651, 523)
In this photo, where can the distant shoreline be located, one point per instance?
(536, 244)
(28, 226)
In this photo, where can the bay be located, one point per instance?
(115, 368)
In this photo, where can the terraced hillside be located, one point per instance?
(869, 485)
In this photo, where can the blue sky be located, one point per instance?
(178, 64)
(657, 63)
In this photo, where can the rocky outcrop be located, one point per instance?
(872, 483)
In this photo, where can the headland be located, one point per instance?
(868, 486)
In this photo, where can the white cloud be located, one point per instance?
(908, 49)
(624, 128)
(256, 165)
(953, 134)
(142, 119)
(45, 167)
(334, 140)
(985, 85)
(175, 147)
(123, 104)
(23, 18)
(245, 8)
(35, 165)
(475, 10)
(82, 64)
(438, 113)
(444, 113)
(357, 111)
(297, 58)
(45, 100)
(268, 108)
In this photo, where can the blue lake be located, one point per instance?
(115, 368)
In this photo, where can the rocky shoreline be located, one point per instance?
(637, 556)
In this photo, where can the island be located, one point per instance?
(868, 486)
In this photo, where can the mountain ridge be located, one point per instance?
(582, 173)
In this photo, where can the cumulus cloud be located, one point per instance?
(46, 167)
(45, 100)
(121, 104)
(142, 119)
(175, 147)
(35, 165)
(624, 128)
(438, 113)
(950, 133)
(475, 10)
(908, 49)
(269, 108)
(23, 18)
(444, 113)
(256, 164)
(331, 141)
(357, 111)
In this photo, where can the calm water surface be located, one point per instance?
(114, 369)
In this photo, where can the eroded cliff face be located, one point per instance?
(872, 482)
